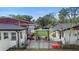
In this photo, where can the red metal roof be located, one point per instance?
(14, 21)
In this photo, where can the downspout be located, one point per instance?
(76, 23)
(70, 31)
(69, 35)
(27, 36)
(18, 36)
(18, 39)
(48, 40)
(61, 32)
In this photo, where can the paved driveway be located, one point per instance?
(39, 44)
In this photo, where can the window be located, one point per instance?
(13, 36)
(0, 36)
(21, 35)
(5, 35)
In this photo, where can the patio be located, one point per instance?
(36, 44)
(40, 46)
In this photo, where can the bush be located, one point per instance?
(71, 46)
(23, 45)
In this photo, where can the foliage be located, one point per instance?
(66, 15)
(70, 46)
(69, 14)
(2, 16)
(22, 17)
(63, 15)
(54, 22)
(46, 20)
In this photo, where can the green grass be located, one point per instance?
(42, 33)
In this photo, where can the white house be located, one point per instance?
(11, 35)
(71, 35)
(57, 29)
(67, 33)
(31, 28)
(54, 36)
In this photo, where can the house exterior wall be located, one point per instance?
(4, 44)
(55, 38)
(7, 43)
(66, 36)
(12, 42)
(71, 36)
(24, 37)
(31, 28)
(57, 34)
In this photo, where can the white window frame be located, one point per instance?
(13, 36)
(6, 36)
(0, 36)
(21, 35)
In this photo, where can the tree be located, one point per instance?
(62, 19)
(54, 22)
(73, 12)
(46, 20)
(3, 17)
(22, 17)
(33, 21)
(70, 14)
(63, 15)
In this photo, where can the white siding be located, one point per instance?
(57, 34)
(71, 39)
(66, 36)
(55, 38)
(12, 42)
(4, 44)
(7, 43)
(24, 37)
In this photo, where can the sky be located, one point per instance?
(33, 11)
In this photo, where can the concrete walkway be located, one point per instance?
(39, 44)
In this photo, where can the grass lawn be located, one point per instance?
(43, 33)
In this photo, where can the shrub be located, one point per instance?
(71, 46)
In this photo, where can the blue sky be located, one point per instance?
(34, 11)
